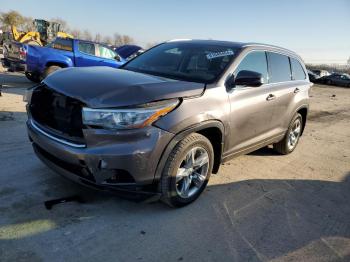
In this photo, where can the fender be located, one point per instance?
(179, 136)
(56, 59)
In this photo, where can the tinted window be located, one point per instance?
(184, 60)
(297, 69)
(106, 52)
(279, 68)
(254, 61)
(87, 48)
(62, 44)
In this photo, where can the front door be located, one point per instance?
(251, 107)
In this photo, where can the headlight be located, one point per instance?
(128, 118)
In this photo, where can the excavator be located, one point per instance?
(45, 32)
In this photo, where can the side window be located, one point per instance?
(106, 52)
(62, 44)
(87, 48)
(279, 68)
(297, 70)
(254, 61)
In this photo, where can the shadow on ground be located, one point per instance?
(253, 220)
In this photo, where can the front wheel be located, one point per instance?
(291, 138)
(187, 170)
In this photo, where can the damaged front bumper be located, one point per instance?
(123, 161)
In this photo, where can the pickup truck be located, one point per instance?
(14, 55)
(66, 52)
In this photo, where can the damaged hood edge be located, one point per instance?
(105, 87)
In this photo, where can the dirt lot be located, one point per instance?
(260, 207)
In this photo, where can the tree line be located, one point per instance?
(23, 23)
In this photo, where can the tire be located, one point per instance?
(329, 82)
(49, 70)
(32, 77)
(172, 184)
(284, 146)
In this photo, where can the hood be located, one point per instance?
(105, 87)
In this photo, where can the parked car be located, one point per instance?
(129, 51)
(321, 73)
(167, 119)
(312, 76)
(335, 79)
(66, 52)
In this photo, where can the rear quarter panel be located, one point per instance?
(39, 57)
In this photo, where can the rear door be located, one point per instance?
(251, 107)
(86, 54)
(287, 79)
(108, 57)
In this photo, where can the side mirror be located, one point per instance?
(249, 78)
(117, 57)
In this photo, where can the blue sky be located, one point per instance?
(317, 29)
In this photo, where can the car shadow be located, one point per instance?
(250, 220)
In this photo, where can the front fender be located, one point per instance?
(178, 137)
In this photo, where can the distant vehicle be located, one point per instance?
(321, 73)
(65, 52)
(312, 76)
(14, 55)
(129, 51)
(336, 79)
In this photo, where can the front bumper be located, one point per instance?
(109, 159)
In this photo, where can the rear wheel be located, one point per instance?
(49, 70)
(291, 139)
(187, 170)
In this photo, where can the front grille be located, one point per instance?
(57, 114)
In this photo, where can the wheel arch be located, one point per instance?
(211, 129)
(303, 111)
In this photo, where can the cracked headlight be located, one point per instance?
(128, 118)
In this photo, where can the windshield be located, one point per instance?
(188, 61)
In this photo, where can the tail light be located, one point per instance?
(22, 53)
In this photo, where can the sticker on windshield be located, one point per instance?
(213, 55)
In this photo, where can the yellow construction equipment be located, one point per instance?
(45, 32)
(32, 38)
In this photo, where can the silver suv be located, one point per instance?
(168, 118)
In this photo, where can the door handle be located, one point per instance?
(270, 97)
(296, 90)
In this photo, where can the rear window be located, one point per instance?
(87, 48)
(297, 70)
(106, 52)
(279, 68)
(62, 44)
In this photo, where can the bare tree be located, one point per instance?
(76, 33)
(86, 35)
(28, 24)
(63, 23)
(152, 44)
(98, 37)
(119, 40)
(11, 18)
(107, 40)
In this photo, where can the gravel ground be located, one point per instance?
(260, 207)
